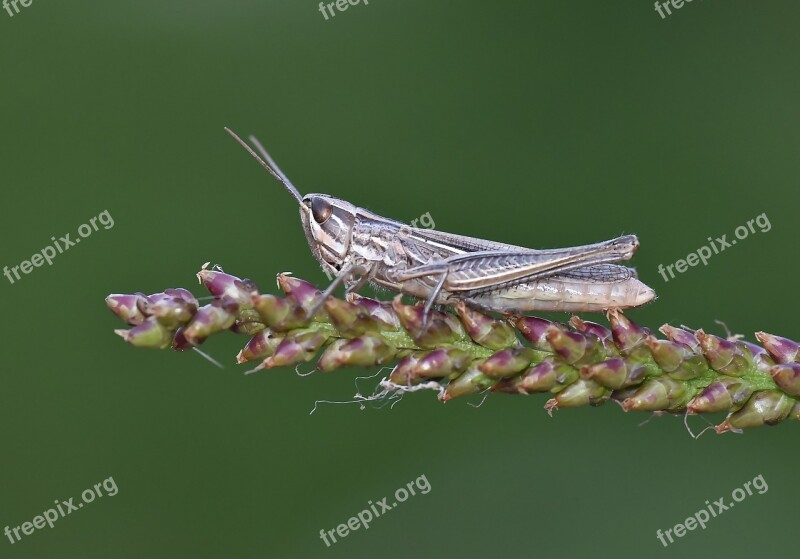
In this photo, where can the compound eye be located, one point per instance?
(321, 210)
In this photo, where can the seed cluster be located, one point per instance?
(583, 363)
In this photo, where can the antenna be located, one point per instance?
(271, 167)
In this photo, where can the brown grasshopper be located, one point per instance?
(357, 246)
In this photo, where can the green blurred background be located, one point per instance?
(543, 124)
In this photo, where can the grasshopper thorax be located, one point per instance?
(328, 225)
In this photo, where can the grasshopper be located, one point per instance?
(356, 246)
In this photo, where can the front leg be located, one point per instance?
(345, 276)
(440, 269)
(353, 285)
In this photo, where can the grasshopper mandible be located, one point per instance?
(357, 246)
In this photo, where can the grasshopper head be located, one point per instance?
(328, 224)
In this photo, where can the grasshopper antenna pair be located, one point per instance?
(270, 165)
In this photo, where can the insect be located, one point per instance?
(358, 246)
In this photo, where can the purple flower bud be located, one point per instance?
(680, 336)
(722, 394)
(486, 331)
(169, 310)
(298, 346)
(333, 357)
(351, 320)
(471, 382)
(676, 359)
(149, 333)
(126, 307)
(724, 356)
(593, 329)
(573, 347)
(221, 285)
(403, 372)
(381, 311)
(782, 350)
(549, 375)
(442, 362)
(668, 355)
(762, 360)
(534, 330)
(260, 346)
(660, 393)
(210, 319)
(787, 376)
(300, 291)
(612, 373)
(628, 336)
(248, 322)
(368, 350)
(507, 362)
(768, 407)
(442, 328)
(582, 392)
(278, 313)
